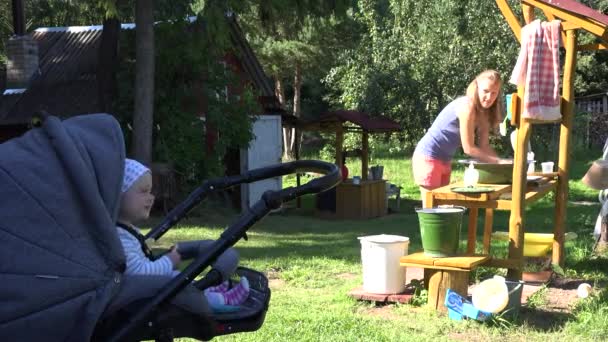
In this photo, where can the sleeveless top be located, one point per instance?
(443, 138)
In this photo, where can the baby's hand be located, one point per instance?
(174, 256)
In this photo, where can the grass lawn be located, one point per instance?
(313, 263)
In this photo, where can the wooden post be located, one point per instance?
(528, 12)
(472, 230)
(516, 220)
(487, 230)
(561, 199)
(339, 143)
(365, 155)
(442, 280)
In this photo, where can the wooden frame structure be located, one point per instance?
(574, 16)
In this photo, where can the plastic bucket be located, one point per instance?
(440, 230)
(515, 290)
(380, 256)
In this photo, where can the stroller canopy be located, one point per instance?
(62, 261)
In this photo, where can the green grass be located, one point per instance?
(313, 264)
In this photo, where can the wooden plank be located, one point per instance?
(457, 263)
(487, 230)
(551, 17)
(417, 259)
(472, 230)
(537, 121)
(585, 22)
(561, 198)
(432, 267)
(533, 195)
(440, 281)
(463, 262)
(510, 17)
(575, 7)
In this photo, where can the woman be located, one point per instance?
(476, 114)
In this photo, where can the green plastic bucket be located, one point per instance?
(440, 230)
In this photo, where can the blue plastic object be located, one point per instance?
(459, 307)
(508, 103)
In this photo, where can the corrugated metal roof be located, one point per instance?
(66, 84)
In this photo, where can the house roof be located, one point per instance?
(66, 83)
(66, 80)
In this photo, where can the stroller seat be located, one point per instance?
(63, 264)
(172, 321)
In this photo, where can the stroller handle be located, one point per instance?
(274, 198)
(270, 200)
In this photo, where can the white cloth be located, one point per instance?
(138, 263)
(133, 170)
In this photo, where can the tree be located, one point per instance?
(143, 115)
(287, 37)
(415, 56)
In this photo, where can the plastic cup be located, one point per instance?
(547, 167)
(531, 166)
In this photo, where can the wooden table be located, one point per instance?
(361, 201)
(441, 274)
(499, 199)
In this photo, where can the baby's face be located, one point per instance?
(137, 202)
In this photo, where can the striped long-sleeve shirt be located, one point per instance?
(138, 262)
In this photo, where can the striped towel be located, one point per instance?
(537, 69)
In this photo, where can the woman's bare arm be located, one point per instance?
(484, 152)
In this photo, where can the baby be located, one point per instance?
(135, 205)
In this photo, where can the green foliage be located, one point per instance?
(414, 57)
(190, 79)
(420, 296)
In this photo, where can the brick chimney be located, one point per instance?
(21, 50)
(22, 53)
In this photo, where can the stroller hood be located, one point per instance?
(61, 257)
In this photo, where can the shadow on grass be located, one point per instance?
(543, 320)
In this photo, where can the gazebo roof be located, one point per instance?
(573, 14)
(367, 122)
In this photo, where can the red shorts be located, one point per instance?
(431, 173)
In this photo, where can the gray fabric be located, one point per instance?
(59, 195)
(136, 287)
(62, 261)
(226, 263)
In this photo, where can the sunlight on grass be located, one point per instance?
(312, 264)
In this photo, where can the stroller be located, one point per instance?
(62, 262)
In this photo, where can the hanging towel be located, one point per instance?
(537, 69)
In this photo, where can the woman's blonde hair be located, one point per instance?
(495, 112)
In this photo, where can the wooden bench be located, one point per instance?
(441, 274)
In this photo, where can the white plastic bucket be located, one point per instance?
(380, 256)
